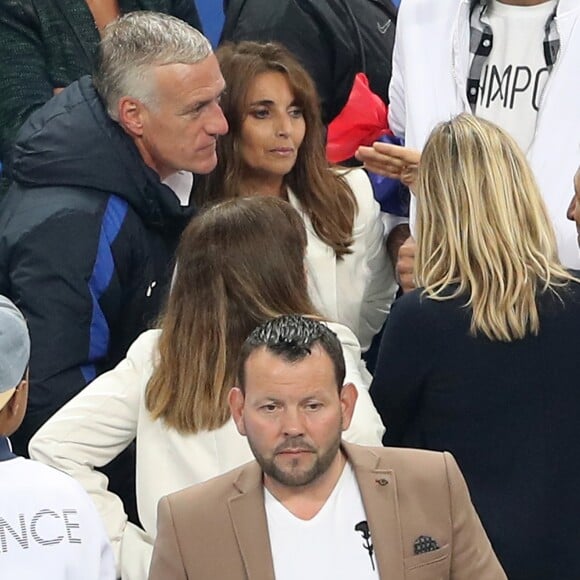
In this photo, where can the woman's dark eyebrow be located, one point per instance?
(263, 102)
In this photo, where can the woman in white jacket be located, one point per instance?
(275, 147)
(240, 263)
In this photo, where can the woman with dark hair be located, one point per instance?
(240, 264)
(482, 358)
(275, 147)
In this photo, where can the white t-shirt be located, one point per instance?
(515, 73)
(49, 527)
(334, 545)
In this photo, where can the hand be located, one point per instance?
(57, 90)
(405, 268)
(391, 161)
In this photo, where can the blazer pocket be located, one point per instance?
(428, 560)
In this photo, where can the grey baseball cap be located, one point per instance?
(14, 349)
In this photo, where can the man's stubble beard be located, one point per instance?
(287, 477)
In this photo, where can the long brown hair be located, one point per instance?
(238, 264)
(324, 194)
(483, 230)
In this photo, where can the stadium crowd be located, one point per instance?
(297, 301)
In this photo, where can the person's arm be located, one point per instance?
(472, 555)
(397, 228)
(167, 561)
(397, 102)
(26, 84)
(394, 161)
(97, 552)
(366, 427)
(384, 158)
(380, 284)
(402, 366)
(94, 428)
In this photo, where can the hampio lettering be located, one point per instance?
(506, 85)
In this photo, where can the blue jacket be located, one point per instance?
(87, 235)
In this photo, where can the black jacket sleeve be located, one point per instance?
(25, 80)
(47, 268)
(402, 366)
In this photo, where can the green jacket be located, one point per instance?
(47, 44)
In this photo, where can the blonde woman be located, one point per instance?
(240, 264)
(482, 359)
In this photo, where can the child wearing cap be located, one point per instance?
(49, 527)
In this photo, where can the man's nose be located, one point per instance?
(217, 124)
(571, 209)
(292, 423)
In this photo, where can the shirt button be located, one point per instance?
(382, 482)
(486, 42)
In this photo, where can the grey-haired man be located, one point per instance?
(101, 181)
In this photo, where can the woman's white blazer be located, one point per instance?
(358, 289)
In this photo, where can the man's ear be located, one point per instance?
(236, 401)
(131, 115)
(13, 412)
(20, 397)
(348, 397)
(18, 401)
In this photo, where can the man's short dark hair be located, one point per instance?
(292, 337)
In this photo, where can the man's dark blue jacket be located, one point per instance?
(87, 236)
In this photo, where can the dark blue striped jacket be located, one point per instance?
(87, 236)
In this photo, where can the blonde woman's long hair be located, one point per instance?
(483, 230)
(238, 265)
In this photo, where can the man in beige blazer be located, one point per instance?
(310, 506)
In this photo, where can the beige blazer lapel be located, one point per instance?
(379, 495)
(246, 507)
